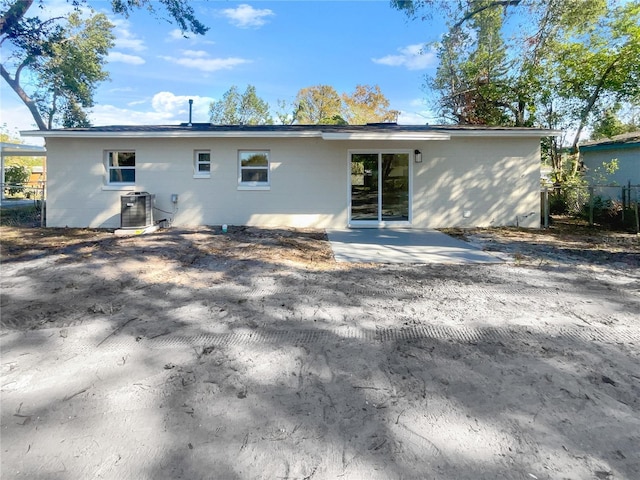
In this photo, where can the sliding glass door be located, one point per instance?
(379, 188)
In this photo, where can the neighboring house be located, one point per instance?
(325, 176)
(18, 150)
(625, 148)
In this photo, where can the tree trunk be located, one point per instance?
(592, 100)
(14, 15)
(31, 105)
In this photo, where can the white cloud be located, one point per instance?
(195, 53)
(412, 118)
(200, 60)
(125, 39)
(177, 35)
(125, 58)
(120, 90)
(245, 16)
(59, 8)
(17, 117)
(412, 57)
(162, 108)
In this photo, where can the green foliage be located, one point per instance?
(600, 65)
(63, 58)
(318, 104)
(610, 213)
(568, 196)
(568, 62)
(608, 125)
(367, 104)
(334, 120)
(73, 70)
(8, 137)
(180, 11)
(15, 176)
(287, 113)
(322, 105)
(472, 64)
(236, 109)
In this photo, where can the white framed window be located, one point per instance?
(121, 167)
(202, 163)
(253, 169)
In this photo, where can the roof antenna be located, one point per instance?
(190, 110)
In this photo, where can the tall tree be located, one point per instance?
(287, 113)
(319, 104)
(236, 109)
(486, 77)
(609, 124)
(63, 58)
(367, 104)
(472, 74)
(55, 64)
(600, 66)
(568, 60)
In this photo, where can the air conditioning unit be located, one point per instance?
(136, 210)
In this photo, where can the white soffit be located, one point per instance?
(535, 133)
(406, 135)
(385, 136)
(21, 150)
(166, 134)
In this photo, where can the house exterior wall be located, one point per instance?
(628, 163)
(467, 182)
(494, 181)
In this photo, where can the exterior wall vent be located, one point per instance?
(136, 210)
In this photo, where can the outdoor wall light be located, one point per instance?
(418, 156)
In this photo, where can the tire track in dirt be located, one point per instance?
(461, 334)
(440, 290)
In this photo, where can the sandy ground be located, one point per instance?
(190, 354)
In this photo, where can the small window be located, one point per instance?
(202, 163)
(121, 167)
(254, 168)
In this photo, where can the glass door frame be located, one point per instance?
(379, 223)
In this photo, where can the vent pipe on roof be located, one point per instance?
(190, 110)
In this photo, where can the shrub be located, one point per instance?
(15, 176)
(610, 213)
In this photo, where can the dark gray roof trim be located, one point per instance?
(202, 129)
(624, 140)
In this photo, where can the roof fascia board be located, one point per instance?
(167, 134)
(386, 136)
(609, 146)
(21, 150)
(537, 133)
(443, 134)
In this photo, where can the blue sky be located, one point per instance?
(277, 46)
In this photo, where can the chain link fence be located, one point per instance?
(23, 203)
(611, 206)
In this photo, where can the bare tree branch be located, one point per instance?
(28, 101)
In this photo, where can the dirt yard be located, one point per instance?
(192, 354)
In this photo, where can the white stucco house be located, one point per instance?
(625, 148)
(325, 176)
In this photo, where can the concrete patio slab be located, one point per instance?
(371, 245)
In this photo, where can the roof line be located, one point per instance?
(327, 132)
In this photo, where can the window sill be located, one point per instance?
(129, 188)
(202, 176)
(257, 187)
